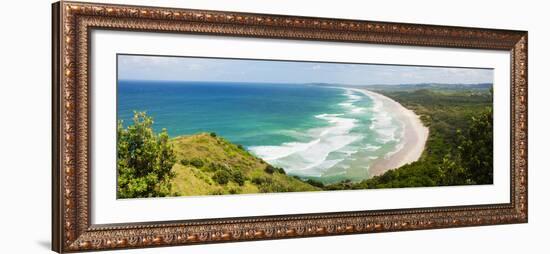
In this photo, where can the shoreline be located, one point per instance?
(408, 150)
(414, 137)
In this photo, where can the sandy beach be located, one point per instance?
(414, 136)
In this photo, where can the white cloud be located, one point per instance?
(316, 67)
(210, 69)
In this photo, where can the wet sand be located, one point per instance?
(414, 136)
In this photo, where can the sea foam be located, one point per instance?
(310, 158)
(323, 148)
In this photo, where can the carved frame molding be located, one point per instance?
(71, 226)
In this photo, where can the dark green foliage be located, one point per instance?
(144, 160)
(217, 192)
(271, 169)
(260, 180)
(221, 176)
(344, 185)
(315, 183)
(213, 167)
(482, 87)
(266, 184)
(185, 162)
(238, 177)
(270, 186)
(476, 149)
(223, 173)
(459, 149)
(196, 162)
(213, 134)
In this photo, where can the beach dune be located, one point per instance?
(414, 137)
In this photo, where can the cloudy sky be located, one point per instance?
(132, 67)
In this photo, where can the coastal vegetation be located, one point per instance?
(209, 164)
(152, 165)
(144, 160)
(458, 151)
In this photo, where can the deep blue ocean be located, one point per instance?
(312, 131)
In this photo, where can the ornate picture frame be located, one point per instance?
(72, 229)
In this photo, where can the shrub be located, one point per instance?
(221, 177)
(259, 180)
(184, 162)
(238, 177)
(222, 171)
(217, 192)
(213, 134)
(272, 186)
(196, 162)
(315, 183)
(271, 169)
(211, 167)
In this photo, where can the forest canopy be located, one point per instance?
(459, 149)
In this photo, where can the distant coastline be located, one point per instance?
(190, 126)
(349, 137)
(415, 135)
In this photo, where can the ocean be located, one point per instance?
(317, 132)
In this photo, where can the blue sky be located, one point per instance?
(132, 67)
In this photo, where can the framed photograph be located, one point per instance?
(179, 126)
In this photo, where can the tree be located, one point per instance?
(476, 148)
(144, 159)
(452, 172)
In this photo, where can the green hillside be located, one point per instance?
(207, 164)
(459, 149)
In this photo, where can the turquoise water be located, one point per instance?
(325, 133)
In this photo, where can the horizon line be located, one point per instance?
(303, 83)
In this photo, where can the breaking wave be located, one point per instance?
(344, 137)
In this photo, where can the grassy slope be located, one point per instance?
(444, 112)
(218, 154)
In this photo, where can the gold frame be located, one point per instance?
(71, 226)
